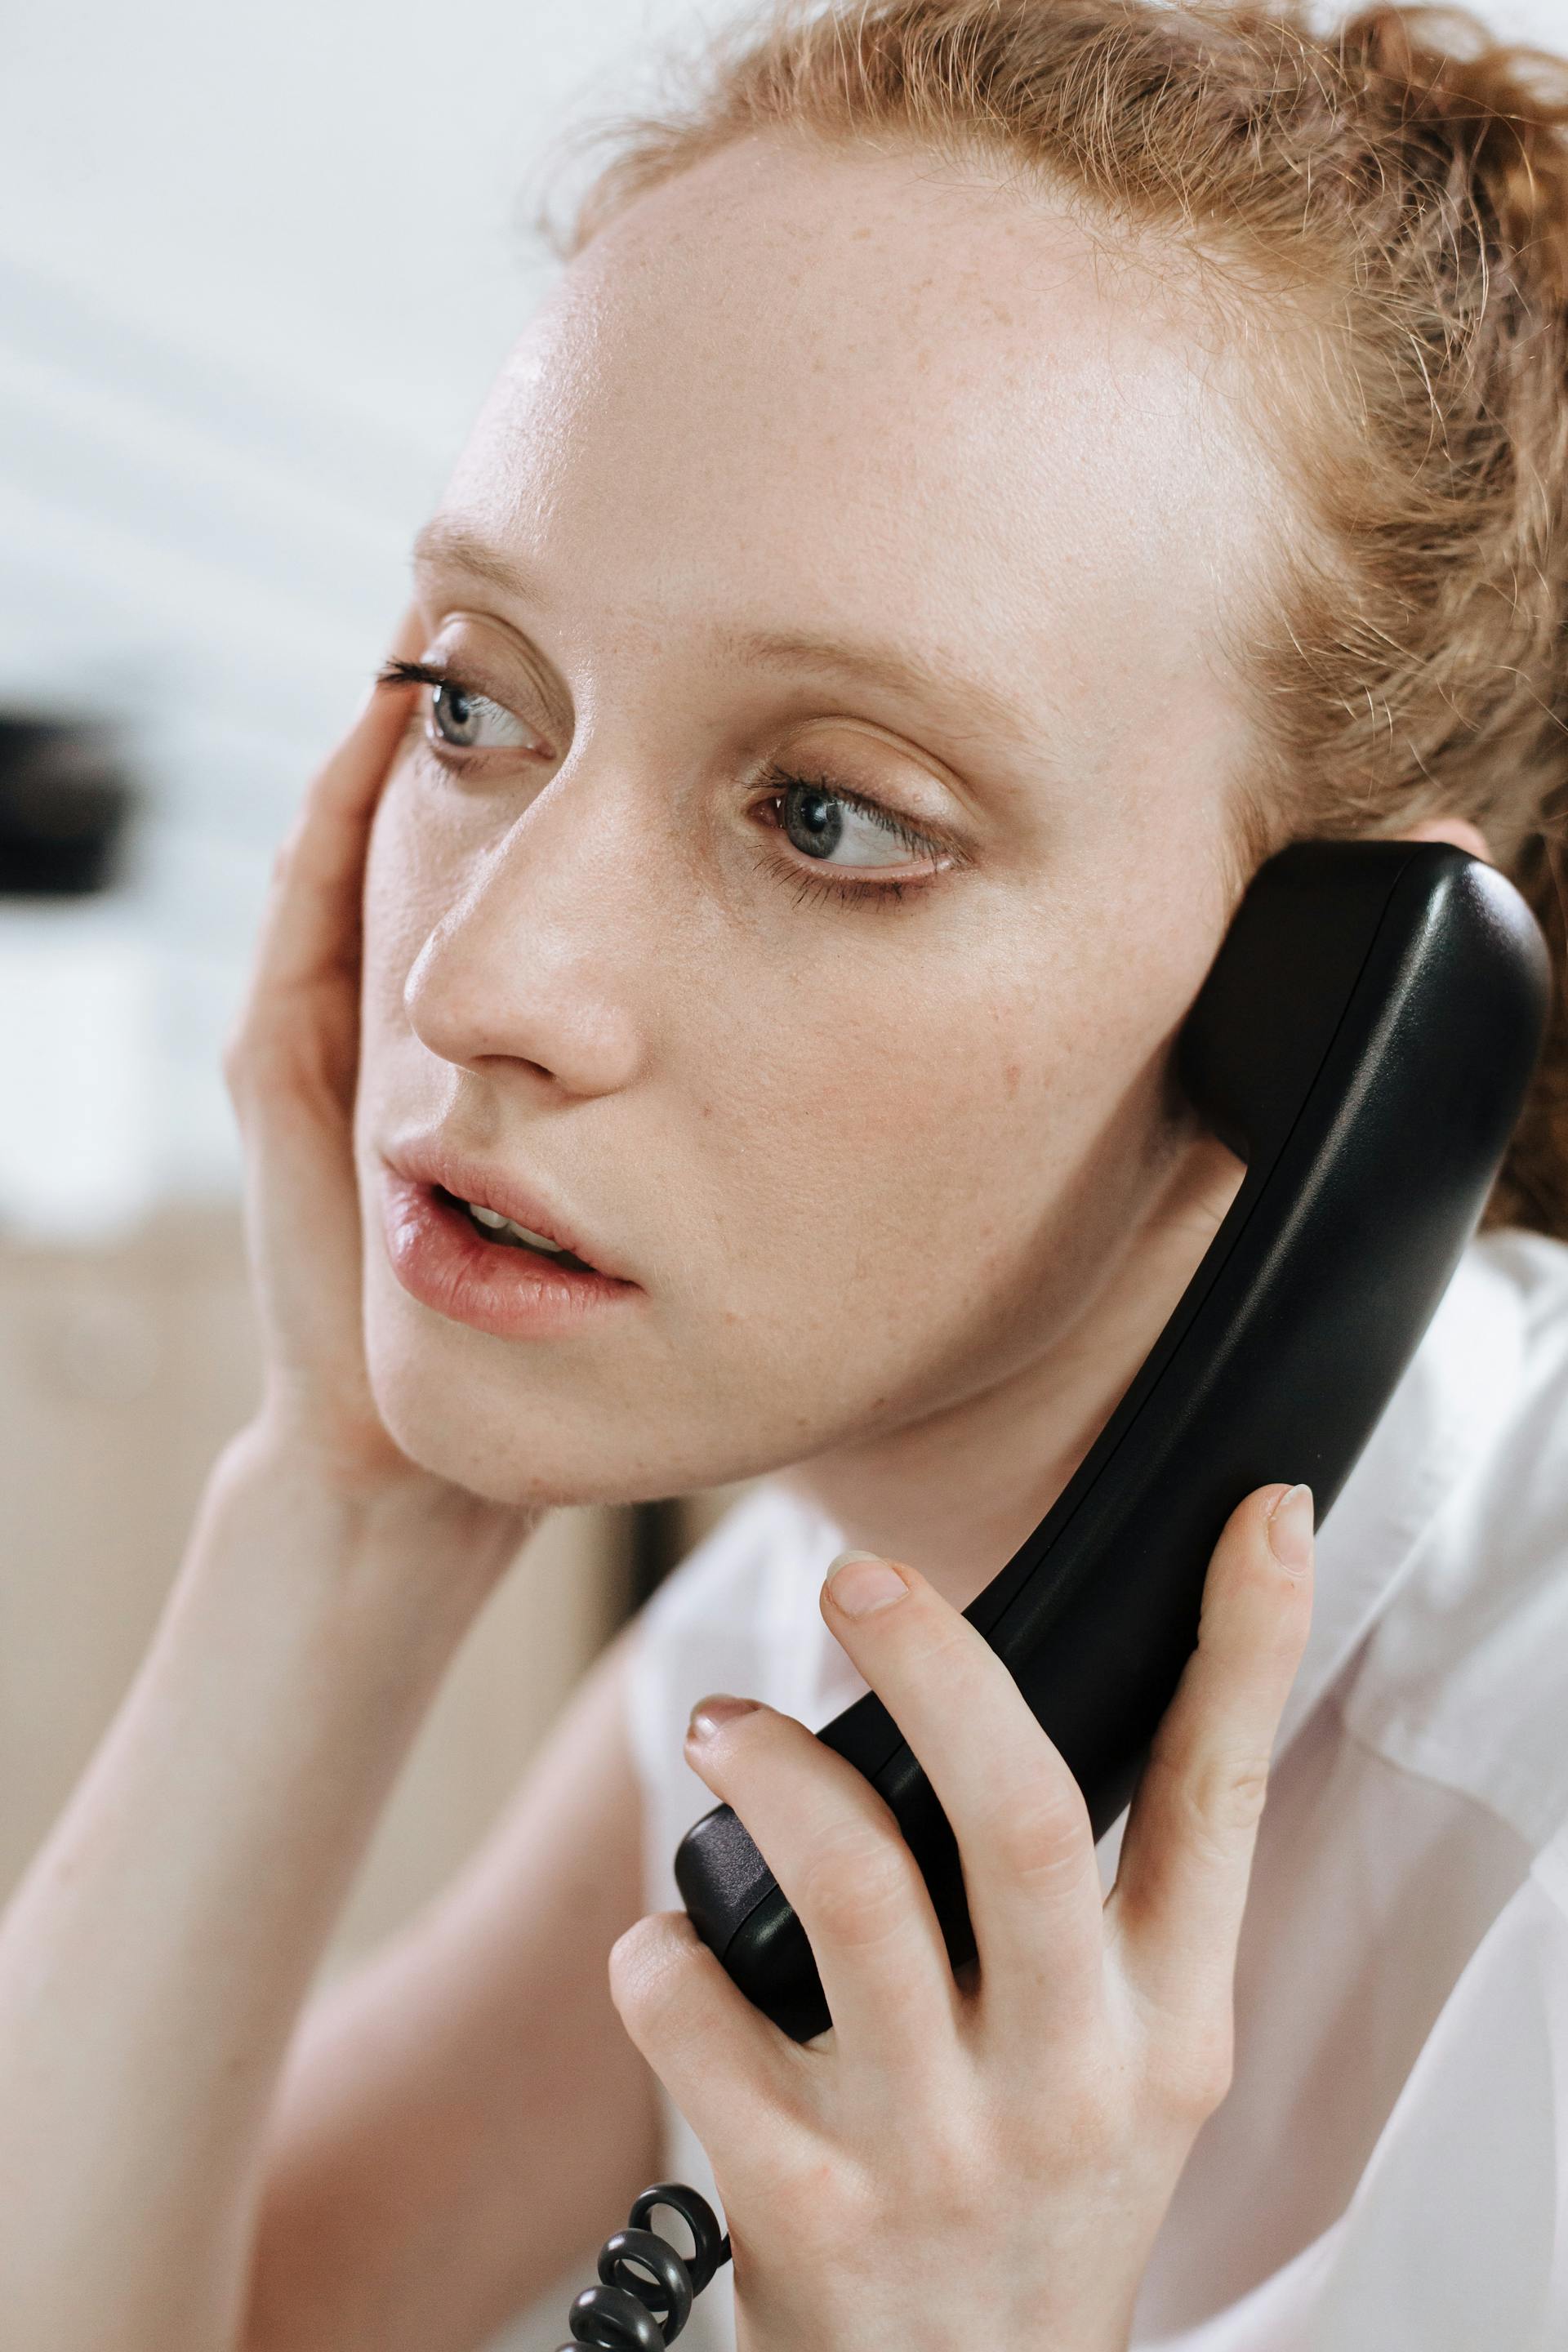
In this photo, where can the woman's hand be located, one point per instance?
(291, 1066)
(986, 2162)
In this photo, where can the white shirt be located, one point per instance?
(1390, 2169)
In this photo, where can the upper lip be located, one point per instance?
(431, 1161)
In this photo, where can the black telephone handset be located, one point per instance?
(1362, 1042)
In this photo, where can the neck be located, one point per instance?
(955, 1493)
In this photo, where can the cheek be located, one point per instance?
(910, 1174)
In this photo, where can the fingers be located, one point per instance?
(838, 1855)
(309, 937)
(291, 1063)
(724, 2065)
(1019, 1817)
(1186, 1855)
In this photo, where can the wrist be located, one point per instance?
(330, 1514)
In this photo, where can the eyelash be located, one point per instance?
(815, 888)
(810, 887)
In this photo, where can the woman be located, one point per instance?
(987, 474)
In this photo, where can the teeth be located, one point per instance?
(537, 1240)
(500, 1225)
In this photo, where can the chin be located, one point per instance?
(459, 1432)
(471, 1411)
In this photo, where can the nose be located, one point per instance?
(539, 962)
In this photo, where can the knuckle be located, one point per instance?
(1039, 1833)
(1232, 1791)
(934, 1646)
(1220, 1801)
(856, 1886)
(944, 1642)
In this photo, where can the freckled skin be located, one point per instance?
(905, 1184)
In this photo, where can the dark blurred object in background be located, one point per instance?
(64, 806)
(79, 1109)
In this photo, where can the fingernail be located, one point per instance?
(861, 1583)
(717, 1708)
(1288, 1527)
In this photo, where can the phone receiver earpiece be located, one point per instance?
(1363, 1041)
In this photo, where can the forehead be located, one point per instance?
(800, 380)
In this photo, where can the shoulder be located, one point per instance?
(1467, 1672)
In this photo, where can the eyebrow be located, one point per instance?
(446, 544)
(887, 667)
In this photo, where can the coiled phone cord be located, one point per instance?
(646, 2288)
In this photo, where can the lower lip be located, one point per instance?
(514, 1293)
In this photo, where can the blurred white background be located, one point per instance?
(257, 264)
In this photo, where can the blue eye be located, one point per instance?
(820, 819)
(472, 722)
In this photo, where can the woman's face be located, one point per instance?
(847, 469)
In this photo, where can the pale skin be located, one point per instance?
(909, 1197)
